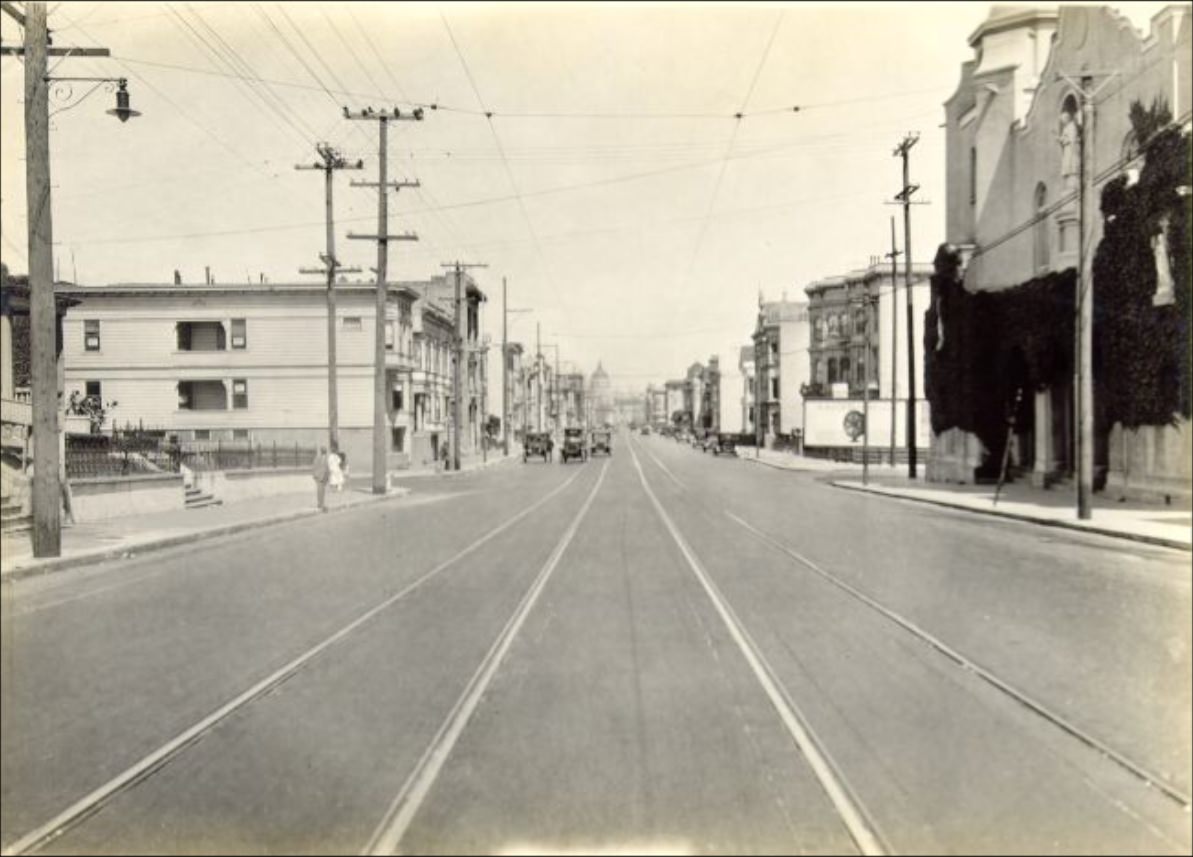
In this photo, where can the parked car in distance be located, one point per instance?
(573, 445)
(721, 443)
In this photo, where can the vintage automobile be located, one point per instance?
(601, 440)
(721, 443)
(537, 444)
(573, 445)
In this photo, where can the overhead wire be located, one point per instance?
(223, 54)
(505, 162)
(728, 151)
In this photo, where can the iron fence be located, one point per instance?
(91, 456)
(131, 454)
(224, 455)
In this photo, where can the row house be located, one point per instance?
(537, 382)
(244, 363)
(844, 312)
(656, 406)
(745, 365)
(780, 367)
(516, 409)
(440, 292)
(1013, 131)
(570, 405)
(710, 395)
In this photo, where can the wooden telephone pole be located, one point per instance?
(380, 445)
(458, 374)
(332, 161)
(903, 197)
(48, 469)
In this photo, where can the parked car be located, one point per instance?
(644, 430)
(537, 444)
(573, 445)
(721, 443)
(601, 440)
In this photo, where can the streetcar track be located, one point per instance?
(396, 821)
(1138, 770)
(857, 821)
(149, 764)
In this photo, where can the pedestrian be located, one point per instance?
(335, 471)
(344, 465)
(320, 473)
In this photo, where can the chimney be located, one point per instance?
(177, 277)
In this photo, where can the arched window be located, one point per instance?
(1043, 236)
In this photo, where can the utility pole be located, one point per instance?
(458, 374)
(904, 196)
(332, 161)
(894, 257)
(1083, 363)
(48, 471)
(867, 301)
(380, 445)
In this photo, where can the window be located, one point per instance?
(201, 336)
(202, 434)
(239, 336)
(844, 369)
(389, 336)
(1040, 246)
(240, 394)
(92, 390)
(351, 322)
(240, 434)
(774, 388)
(396, 399)
(202, 396)
(973, 175)
(91, 335)
(398, 439)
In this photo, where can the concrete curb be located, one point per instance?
(774, 466)
(37, 568)
(1028, 519)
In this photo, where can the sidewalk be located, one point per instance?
(87, 543)
(468, 464)
(783, 460)
(1169, 526)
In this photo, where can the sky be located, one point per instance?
(613, 185)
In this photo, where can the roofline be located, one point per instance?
(1008, 22)
(129, 289)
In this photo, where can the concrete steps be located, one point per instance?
(11, 518)
(197, 499)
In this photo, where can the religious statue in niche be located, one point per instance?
(1069, 140)
(1164, 296)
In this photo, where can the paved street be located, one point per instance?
(660, 652)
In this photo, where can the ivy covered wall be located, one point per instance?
(980, 347)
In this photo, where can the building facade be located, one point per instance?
(845, 312)
(745, 365)
(244, 363)
(1014, 132)
(781, 334)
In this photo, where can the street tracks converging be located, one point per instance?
(154, 761)
(1123, 760)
